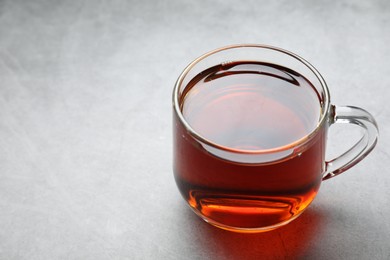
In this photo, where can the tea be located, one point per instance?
(248, 106)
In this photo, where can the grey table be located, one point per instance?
(85, 127)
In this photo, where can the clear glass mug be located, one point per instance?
(250, 188)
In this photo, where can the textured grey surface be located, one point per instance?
(85, 127)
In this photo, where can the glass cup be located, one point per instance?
(250, 187)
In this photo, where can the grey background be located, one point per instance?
(85, 127)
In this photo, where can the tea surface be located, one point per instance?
(251, 106)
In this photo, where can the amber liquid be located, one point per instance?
(248, 106)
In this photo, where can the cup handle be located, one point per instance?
(360, 117)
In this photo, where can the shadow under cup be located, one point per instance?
(250, 125)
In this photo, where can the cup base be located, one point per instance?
(244, 230)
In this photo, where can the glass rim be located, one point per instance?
(297, 143)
